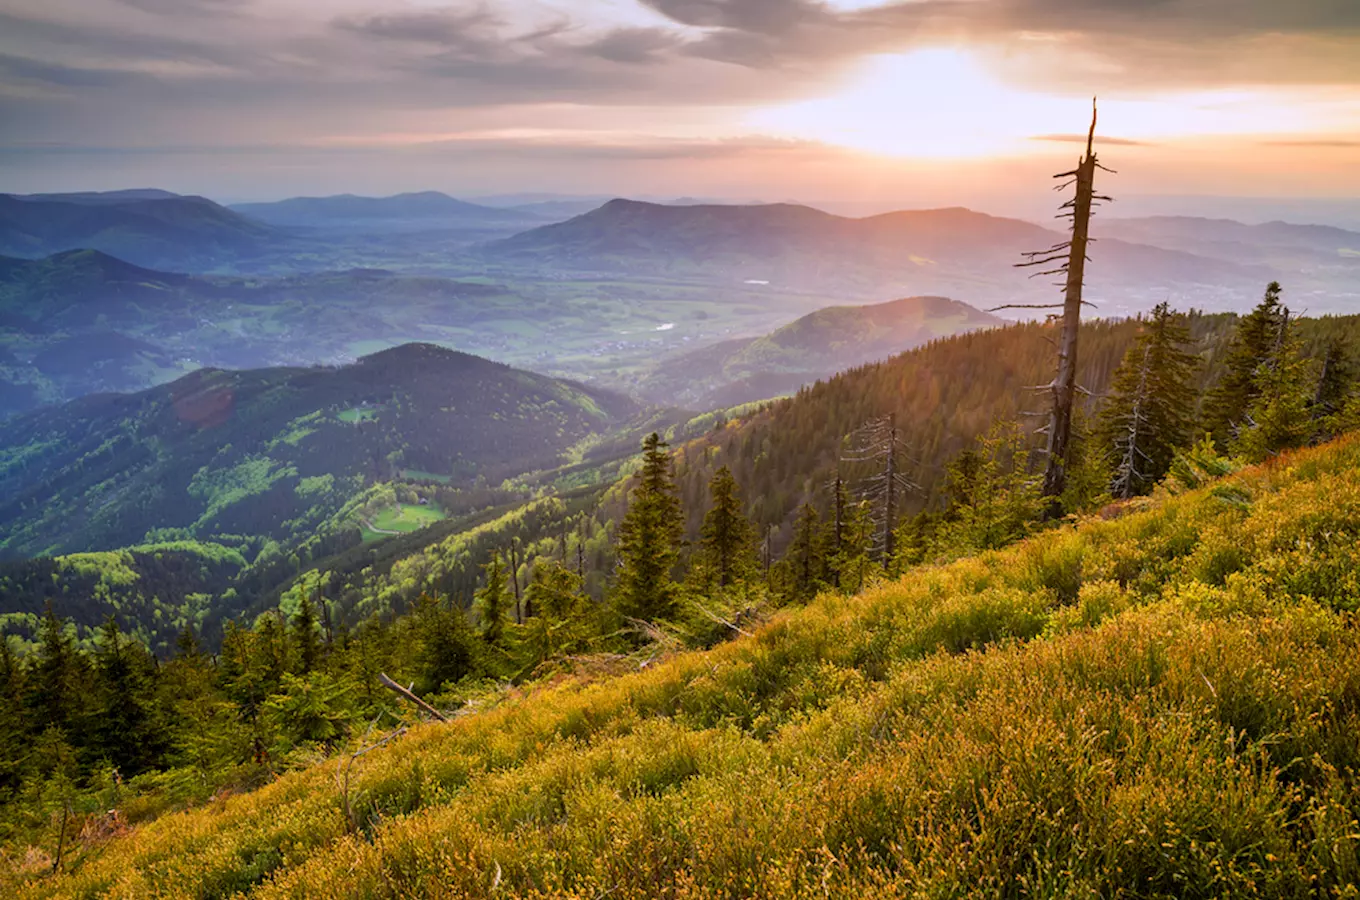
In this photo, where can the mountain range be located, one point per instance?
(426, 210)
(955, 252)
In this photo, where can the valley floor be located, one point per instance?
(1163, 704)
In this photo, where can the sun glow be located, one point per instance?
(942, 103)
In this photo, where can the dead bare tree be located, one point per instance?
(1127, 474)
(879, 442)
(1072, 258)
(514, 579)
(406, 694)
(346, 763)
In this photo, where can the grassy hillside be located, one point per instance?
(1165, 704)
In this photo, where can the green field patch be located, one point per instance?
(357, 414)
(402, 518)
(420, 475)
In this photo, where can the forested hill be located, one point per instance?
(816, 346)
(945, 395)
(273, 452)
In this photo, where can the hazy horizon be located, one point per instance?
(926, 103)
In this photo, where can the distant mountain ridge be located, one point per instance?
(176, 232)
(952, 251)
(426, 208)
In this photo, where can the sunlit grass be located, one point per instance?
(1161, 705)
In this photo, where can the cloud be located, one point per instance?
(293, 72)
(448, 27)
(1081, 139)
(1323, 143)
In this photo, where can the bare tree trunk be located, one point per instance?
(890, 479)
(1065, 385)
(514, 579)
(406, 694)
(1072, 256)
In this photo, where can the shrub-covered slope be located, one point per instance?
(1165, 704)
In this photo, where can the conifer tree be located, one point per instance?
(854, 562)
(726, 536)
(1148, 413)
(492, 603)
(1256, 337)
(126, 727)
(562, 621)
(555, 591)
(447, 644)
(306, 643)
(649, 539)
(1280, 415)
(993, 498)
(14, 738)
(1335, 390)
(803, 569)
(55, 699)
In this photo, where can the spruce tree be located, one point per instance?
(1148, 413)
(15, 743)
(803, 569)
(127, 730)
(649, 539)
(562, 623)
(492, 603)
(1335, 390)
(1280, 414)
(1256, 337)
(306, 643)
(55, 699)
(447, 645)
(726, 536)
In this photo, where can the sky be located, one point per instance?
(872, 103)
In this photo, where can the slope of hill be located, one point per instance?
(944, 395)
(953, 252)
(1160, 705)
(425, 210)
(175, 232)
(276, 451)
(813, 347)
